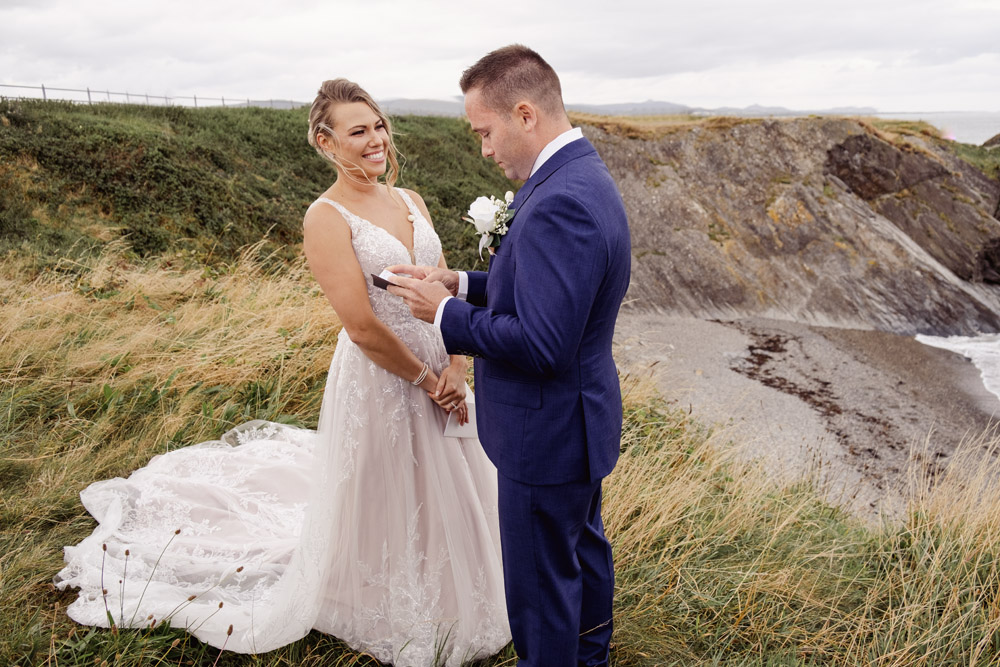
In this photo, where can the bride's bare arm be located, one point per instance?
(328, 249)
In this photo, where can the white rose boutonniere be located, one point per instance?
(490, 216)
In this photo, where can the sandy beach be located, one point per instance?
(853, 410)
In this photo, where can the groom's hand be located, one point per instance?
(446, 277)
(422, 296)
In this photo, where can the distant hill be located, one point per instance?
(423, 107)
(758, 111)
(273, 104)
(647, 108)
(454, 109)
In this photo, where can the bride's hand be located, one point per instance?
(450, 389)
(446, 277)
(463, 412)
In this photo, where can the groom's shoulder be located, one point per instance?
(587, 175)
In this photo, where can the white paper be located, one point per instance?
(455, 430)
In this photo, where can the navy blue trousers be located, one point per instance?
(558, 573)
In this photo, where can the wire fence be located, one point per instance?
(93, 96)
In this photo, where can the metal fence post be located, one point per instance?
(167, 100)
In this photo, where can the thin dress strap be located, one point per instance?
(409, 203)
(349, 217)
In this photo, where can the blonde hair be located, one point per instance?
(321, 119)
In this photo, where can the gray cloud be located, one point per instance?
(852, 53)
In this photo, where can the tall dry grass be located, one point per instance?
(106, 362)
(718, 565)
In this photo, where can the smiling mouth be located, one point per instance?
(375, 157)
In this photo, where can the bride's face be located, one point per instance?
(362, 140)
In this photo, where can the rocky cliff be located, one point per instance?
(823, 221)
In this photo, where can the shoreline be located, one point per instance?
(852, 410)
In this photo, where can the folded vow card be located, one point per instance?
(455, 430)
(382, 279)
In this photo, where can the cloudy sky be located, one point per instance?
(894, 55)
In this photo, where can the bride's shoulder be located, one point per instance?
(324, 217)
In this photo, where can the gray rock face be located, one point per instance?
(942, 206)
(813, 220)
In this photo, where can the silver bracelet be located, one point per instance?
(422, 376)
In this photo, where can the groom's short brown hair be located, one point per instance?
(512, 74)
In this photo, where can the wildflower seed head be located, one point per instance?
(230, 630)
(126, 552)
(239, 569)
(192, 597)
(104, 547)
(220, 605)
(174, 643)
(177, 532)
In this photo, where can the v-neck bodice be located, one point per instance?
(377, 248)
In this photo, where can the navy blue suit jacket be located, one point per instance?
(541, 322)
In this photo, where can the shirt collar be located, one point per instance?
(553, 147)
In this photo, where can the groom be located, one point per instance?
(540, 323)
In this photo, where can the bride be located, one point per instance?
(376, 527)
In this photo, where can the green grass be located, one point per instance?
(983, 159)
(986, 160)
(201, 182)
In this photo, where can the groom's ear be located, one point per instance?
(526, 115)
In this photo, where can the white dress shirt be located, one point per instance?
(550, 149)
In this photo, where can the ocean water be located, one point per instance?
(968, 127)
(983, 351)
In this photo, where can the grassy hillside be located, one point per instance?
(111, 353)
(201, 182)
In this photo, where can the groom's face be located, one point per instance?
(503, 138)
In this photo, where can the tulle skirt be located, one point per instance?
(375, 528)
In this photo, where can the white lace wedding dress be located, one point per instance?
(375, 528)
